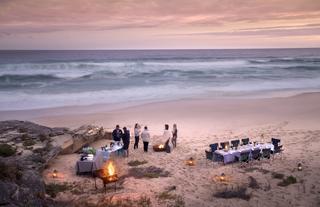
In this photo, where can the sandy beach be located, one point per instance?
(295, 120)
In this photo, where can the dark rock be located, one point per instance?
(82, 136)
(34, 147)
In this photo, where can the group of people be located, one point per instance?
(169, 136)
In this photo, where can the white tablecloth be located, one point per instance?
(90, 165)
(231, 154)
(98, 160)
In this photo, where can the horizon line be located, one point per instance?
(145, 49)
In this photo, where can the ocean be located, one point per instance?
(45, 79)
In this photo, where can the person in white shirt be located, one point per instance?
(167, 135)
(136, 135)
(145, 136)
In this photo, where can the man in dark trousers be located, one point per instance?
(126, 141)
(117, 134)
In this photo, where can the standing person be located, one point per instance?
(167, 135)
(174, 135)
(117, 134)
(145, 136)
(126, 141)
(136, 135)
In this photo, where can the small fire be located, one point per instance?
(161, 146)
(109, 170)
(109, 173)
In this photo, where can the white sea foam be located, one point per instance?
(62, 81)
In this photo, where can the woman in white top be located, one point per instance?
(136, 135)
(145, 136)
(167, 135)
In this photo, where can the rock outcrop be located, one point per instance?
(82, 136)
(26, 149)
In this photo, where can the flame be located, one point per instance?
(161, 146)
(109, 170)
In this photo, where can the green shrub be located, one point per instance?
(253, 183)
(6, 150)
(277, 175)
(43, 137)
(147, 172)
(143, 201)
(23, 130)
(25, 137)
(53, 189)
(10, 171)
(28, 143)
(237, 193)
(134, 163)
(288, 181)
(166, 196)
(179, 202)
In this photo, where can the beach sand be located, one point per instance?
(295, 120)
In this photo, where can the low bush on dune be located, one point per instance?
(237, 193)
(135, 163)
(148, 172)
(277, 175)
(179, 202)
(253, 183)
(166, 196)
(6, 150)
(53, 189)
(10, 171)
(287, 181)
(27, 143)
(143, 201)
(172, 199)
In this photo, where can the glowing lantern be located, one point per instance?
(222, 177)
(300, 167)
(55, 174)
(190, 162)
(158, 148)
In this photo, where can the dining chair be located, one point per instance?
(235, 143)
(224, 144)
(245, 141)
(244, 158)
(213, 147)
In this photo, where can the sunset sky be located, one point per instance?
(158, 24)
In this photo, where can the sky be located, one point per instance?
(159, 24)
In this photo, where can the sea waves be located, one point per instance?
(47, 83)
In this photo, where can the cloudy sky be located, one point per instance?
(152, 24)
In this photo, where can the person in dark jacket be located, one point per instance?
(126, 141)
(117, 134)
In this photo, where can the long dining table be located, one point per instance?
(231, 155)
(97, 162)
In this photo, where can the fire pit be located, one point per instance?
(107, 175)
(158, 148)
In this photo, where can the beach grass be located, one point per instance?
(135, 163)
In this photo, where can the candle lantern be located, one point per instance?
(55, 174)
(300, 167)
(222, 177)
(190, 161)
(158, 148)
